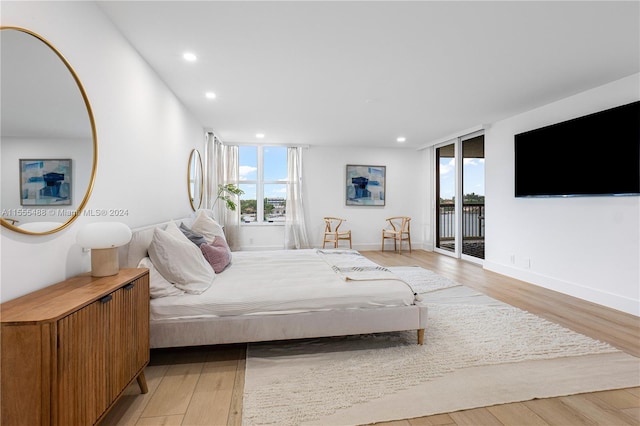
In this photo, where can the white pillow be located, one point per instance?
(208, 227)
(180, 262)
(173, 230)
(138, 246)
(158, 285)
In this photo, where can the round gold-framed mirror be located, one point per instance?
(48, 140)
(195, 179)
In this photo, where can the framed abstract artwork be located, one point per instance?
(365, 185)
(45, 182)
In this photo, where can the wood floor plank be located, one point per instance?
(235, 410)
(597, 410)
(160, 421)
(435, 420)
(633, 413)
(619, 398)
(174, 392)
(555, 412)
(634, 391)
(130, 407)
(475, 417)
(511, 414)
(216, 383)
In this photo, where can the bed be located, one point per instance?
(262, 295)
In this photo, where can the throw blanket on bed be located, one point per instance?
(356, 273)
(352, 266)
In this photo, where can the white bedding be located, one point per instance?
(289, 281)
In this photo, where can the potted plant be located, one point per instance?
(225, 192)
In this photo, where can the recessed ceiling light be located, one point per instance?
(190, 57)
(210, 95)
(260, 135)
(401, 139)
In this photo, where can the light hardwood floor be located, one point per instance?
(204, 385)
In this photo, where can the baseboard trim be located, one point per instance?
(600, 297)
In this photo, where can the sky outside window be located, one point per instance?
(275, 163)
(274, 170)
(473, 169)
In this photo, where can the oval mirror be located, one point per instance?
(195, 179)
(48, 143)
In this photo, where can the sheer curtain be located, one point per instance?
(212, 153)
(229, 174)
(295, 230)
(221, 167)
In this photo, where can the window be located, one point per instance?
(263, 176)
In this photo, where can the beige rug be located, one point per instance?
(478, 352)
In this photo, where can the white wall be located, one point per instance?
(406, 192)
(324, 177)
(144, 133)
(588, 247)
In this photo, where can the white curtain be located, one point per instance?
(221, 167)
(295, 230)
(211, 147)
(229, 174)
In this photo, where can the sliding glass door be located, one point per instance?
(473, 197)
(460, 197)
(445, 198)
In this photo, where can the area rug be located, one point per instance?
(478, 352)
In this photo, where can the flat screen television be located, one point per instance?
(594, 155)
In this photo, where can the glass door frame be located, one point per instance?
(456, 209)
(458, 198)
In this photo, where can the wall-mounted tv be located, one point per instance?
(598, 154)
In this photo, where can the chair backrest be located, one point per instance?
(400, 223)
(331, 224)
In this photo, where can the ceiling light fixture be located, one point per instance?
(210, 95)
(260, 135)
(190, 57)
(401, 139)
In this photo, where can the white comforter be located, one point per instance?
(290, 281)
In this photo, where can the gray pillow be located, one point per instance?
(194, 237)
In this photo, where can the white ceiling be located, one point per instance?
(363, 73)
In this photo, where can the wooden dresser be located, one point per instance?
(68, 351)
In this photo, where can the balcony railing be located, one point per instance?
(472, 221)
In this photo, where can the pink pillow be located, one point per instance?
(217, 254)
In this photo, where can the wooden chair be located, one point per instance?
(332, 233)
(399, 230)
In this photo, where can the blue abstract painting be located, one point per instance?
(365, 185)
(45, 182)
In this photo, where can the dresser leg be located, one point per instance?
(142, 382)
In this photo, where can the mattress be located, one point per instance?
(289, 281)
